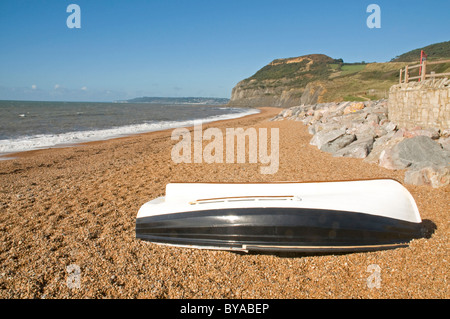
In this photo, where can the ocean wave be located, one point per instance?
(41, 141)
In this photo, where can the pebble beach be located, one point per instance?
(75, 208)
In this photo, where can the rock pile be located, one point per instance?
(363, 130)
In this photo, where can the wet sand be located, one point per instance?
(77, 206)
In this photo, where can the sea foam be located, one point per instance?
(41, 141)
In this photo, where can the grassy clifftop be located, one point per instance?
(434, 52)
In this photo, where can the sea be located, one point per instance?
(31, 125)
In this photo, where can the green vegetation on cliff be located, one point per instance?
(434, 52)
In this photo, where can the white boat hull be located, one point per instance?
(325, 216)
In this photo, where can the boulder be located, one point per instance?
(312, 129)
(358, 149)
(307, 119)
(432, 175)
(445, 143)
(387, 159)
(339, 143)
(415, 150)
(382, 147)
(431, 133)
(363, 130)
(372, 119)
(323, 137)
(389, 126)
(354, 107)
(445, 133)
(327, 126)
(287, 112)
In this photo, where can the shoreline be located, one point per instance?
(13, 155)
(77, 206)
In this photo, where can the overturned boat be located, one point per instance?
(297, 217)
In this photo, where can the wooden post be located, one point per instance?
(400, 78)
(424, 71)
(406, 74)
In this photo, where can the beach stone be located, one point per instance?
(364, 131)
(327, 126)
(445, 133)
(354, 107)
(372, 119)
(415, 150)
(445, 143)
(359, 117)
(339, 143)
(379, 132)
(317, 115)
(431, 133)
(286, 113)
(389, 126)
(312, 129)
(432, 175)
(307, 120)
(358, 149)
(323, 137)
(387, 159)
(300, 113)
(381, 146)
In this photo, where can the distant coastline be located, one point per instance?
(177, 100)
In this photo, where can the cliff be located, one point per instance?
(317, 78)
(285, 82)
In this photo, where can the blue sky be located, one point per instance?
(127, 49)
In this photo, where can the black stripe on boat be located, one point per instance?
(277, 229)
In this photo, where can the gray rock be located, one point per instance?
(431, 174)
(300, 113)
(413, 151)
(389, 126)
(365, 131)
(312, 129)
(307, 120)
(327, 127)
(358, 149)
(339, 143)
(323, 137)
(381, 146)
(445, 143)
(431, 133)
(286, 112)
(445, 133)
(372, 118)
